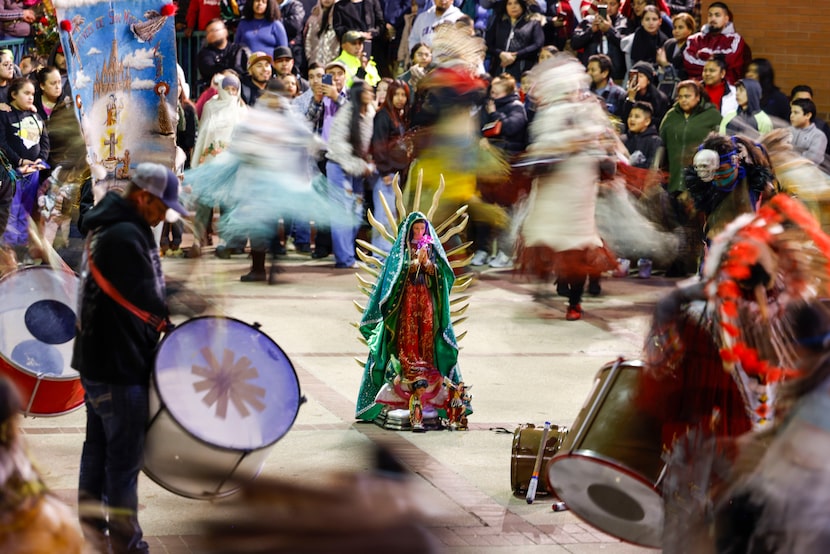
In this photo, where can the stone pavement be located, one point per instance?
(525, 362)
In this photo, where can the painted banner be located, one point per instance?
(121, 67)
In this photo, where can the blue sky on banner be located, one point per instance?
(121, 61)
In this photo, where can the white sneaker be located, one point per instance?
(480, 258)
(501, 260)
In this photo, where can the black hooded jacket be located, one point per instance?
(111, 344)
(647, 143)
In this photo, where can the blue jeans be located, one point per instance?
(112, 457)
(382, 189)
(346, 197)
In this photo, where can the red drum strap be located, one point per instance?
(158, 323)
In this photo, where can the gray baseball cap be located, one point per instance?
(161, 182)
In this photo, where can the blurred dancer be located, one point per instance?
(446, 143)
(262, 177)
(780, 500)
(720, 348)
(31, 519)
(560, 234)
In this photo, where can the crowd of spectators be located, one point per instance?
(655, 68)
(665, 78)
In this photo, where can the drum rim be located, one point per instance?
(594, 456)
(165, 403)
(627, 472)
(27, 371)
(11, 274)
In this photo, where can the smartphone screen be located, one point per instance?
(327, 79)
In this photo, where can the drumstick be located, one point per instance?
(534, 480)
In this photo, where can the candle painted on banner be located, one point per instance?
(121, 67)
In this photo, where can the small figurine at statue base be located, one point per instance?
(458, 402)
(416, 410)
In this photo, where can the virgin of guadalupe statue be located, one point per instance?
(408, 328)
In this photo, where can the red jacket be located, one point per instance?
(703, 45)
(202, 12)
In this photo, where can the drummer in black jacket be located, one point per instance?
(114, 348)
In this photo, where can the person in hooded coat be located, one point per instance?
(748, 119)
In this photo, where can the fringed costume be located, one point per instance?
(719, 348)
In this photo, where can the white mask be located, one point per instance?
(706, 163)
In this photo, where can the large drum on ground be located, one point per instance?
(223, 393)
(608, 469)
(37, 331)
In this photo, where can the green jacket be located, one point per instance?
(681, 137)
(379, 324)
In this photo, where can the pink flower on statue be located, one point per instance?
(423, 241)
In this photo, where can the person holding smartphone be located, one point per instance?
(601, 35)
(641, 88)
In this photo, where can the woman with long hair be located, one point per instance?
(49, 92)
(349, 143)
(391, 152)
(513, 40)
(648, 38)
(774, 102)
(261, 28)
(319, 38)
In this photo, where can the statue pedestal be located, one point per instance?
(398, 420)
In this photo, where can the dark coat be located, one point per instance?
(776, 104)
(389, 149)
(588, 43)
(293, 17)
(366, 16)
(13, 146)
(647, 143)
(644, 46)
(111, 344)
(527, 39)
(511, 112)
(682, 135)
(211, 61)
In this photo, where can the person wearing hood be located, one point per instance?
(219, 117)
(718, 36)
(641, 89)
(748, 119)
(114, 349)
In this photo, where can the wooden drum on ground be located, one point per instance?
(223, 393)
(609, 466)
(37, 332)
(526, 442)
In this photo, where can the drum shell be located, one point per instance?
(526, 441)
(190, 467)
(609, 465)
(43, 394)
